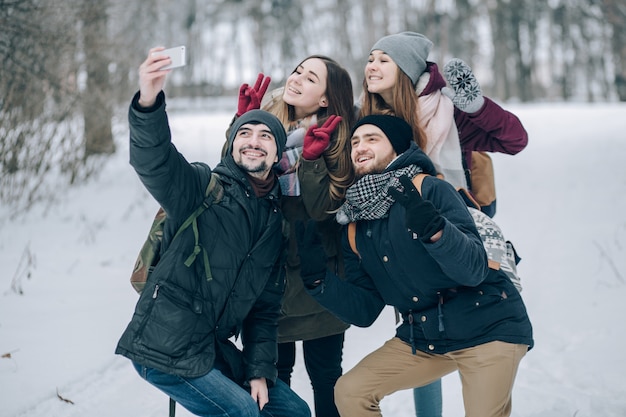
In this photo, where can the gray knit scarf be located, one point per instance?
(369, 199)
(288, 164)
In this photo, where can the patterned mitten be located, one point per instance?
(465, 93)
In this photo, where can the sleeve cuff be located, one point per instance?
(160, 100)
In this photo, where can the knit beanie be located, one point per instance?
(396, 129)
(262, 117)
(409, 50)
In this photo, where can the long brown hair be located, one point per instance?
(340, 97)
(404, 105)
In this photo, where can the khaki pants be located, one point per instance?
(487, 374)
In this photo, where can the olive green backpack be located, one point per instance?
(149, 255)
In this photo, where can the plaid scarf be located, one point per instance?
(288, 176)
(369, 199)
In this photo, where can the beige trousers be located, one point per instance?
(487, 374)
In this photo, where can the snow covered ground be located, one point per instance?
(562, 201)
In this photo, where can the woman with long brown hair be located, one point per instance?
(316, 107)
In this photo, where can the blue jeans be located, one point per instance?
(428, 400)
(214, 395)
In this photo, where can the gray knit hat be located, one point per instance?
(409, 50)
(266, 118)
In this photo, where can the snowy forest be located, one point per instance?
(69, 67)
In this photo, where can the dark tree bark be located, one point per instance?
(498, 22)
(615, 12)
(96, 99)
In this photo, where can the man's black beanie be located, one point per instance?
(396, 129)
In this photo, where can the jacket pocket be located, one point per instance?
(175, 322)
(474, 312)
(296, 301)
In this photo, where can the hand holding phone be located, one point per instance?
(152, 73)
(176, 54)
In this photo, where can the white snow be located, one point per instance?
(562, 201)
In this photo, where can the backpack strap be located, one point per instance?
(214, 191)
(352, 237)
(468, 198)
(213, 194)
(417, 181)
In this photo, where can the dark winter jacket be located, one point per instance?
(303, 318)
(448, 297)
(183, 320)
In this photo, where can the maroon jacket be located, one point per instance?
(490, 129)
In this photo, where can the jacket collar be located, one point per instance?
(413, 156)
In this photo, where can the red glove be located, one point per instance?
(250, 97)
(317, 139)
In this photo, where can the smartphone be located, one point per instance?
(176, 54)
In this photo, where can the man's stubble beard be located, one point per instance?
(253, 170)
(379, 168)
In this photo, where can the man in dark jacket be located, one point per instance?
(178, 338)
(423, 256)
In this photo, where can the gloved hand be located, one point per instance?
(421, 216)
(317, 139)
(250, 97)
(465, 92)
(311, 253)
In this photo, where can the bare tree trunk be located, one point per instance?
(370, 35)
(37, 90)
(96, 98)
(521, 68)
(615, 13)
(458, 33)
(501, 50)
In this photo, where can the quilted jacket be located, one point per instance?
(185, 321)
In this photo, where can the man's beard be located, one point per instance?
(374, 169)
(251, 169)
(262, 167)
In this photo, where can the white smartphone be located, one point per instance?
(176, 54)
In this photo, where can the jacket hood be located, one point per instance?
(430, 81)
(413, 156)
